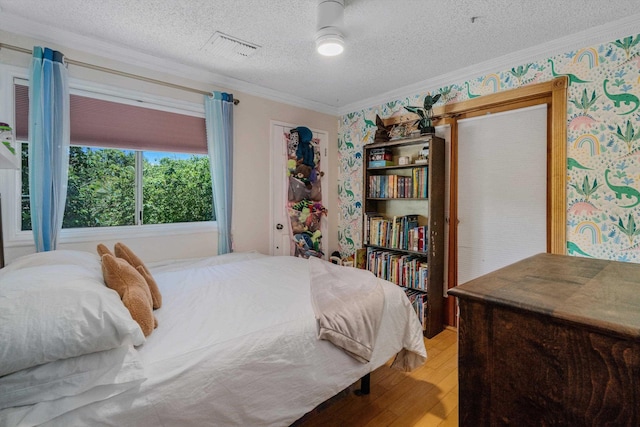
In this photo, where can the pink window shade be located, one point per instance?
(99, 123)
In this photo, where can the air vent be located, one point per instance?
(225, 46)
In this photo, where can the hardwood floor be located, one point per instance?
(425, 397)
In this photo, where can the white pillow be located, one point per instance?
(36, 395)
(53, 312)
(70, 377)
(88, 260)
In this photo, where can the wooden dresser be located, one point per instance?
(551, 340)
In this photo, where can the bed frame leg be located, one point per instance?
(365, 385)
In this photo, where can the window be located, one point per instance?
(128, 165)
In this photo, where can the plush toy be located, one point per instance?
(303, 245)
(312, 221)
(304, 214)
(306, 246)
(318, 208)
(315, 175)
(123, 251)
(103, 250)
(292, 143)
(304, 152)
(302, 204)
(297, 226)
(120, 276)
(303, 172)
(291, 166)
(315, 240)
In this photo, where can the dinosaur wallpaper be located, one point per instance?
(603, 145)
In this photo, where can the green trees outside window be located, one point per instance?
(102, 188)
(176, 189)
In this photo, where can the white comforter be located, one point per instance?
(237, 345)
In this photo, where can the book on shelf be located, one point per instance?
(419, 239)
(419, 302)
(398, 232)
(361, 258)
(406, 270)
(399, 186)
(420, 184)
(368, 216)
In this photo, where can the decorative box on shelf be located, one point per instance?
(380, 157)
(380, 163)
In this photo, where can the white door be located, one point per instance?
(502, 190)
(279, 223)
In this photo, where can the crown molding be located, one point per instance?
(64, 39)
(599, 34)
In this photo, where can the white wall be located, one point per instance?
(251, 153)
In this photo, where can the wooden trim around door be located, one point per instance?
(552, 93)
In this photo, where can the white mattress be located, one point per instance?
(237, 345)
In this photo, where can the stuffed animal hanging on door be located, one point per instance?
(304, 152)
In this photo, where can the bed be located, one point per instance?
(236, 344)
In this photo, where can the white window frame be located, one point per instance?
(10, 181)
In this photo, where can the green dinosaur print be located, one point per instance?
(469, 94)
(620, 190)
(349, 193)
(621, 98)
(349, 241)
(572, 248)
(572, 77)
(348, 144)
(369, 124)
(573, 163)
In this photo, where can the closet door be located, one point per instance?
(502, 189)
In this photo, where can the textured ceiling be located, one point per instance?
(390, 44)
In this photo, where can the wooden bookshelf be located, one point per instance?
(387, 198)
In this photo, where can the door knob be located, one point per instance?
(279, 226)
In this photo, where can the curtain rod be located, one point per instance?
(116, 72)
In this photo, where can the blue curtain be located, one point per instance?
(219, 122)
(48, 145)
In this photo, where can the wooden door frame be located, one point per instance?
(552, 93)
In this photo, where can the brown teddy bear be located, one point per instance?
(122, 277)
(123, 251)
(303, 172)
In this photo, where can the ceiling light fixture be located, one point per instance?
(329, 39)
